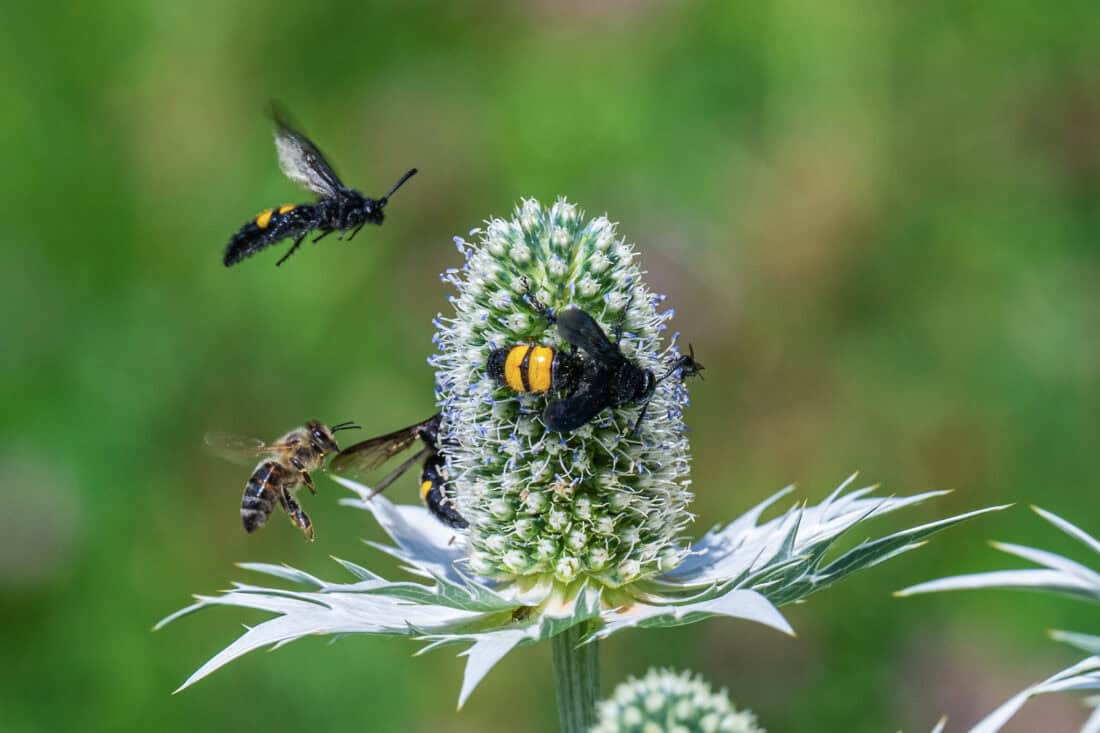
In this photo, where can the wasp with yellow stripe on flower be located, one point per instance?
(603, 377)
(339, 208)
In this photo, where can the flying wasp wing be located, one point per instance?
(569, 413)
(300, 159)
(405, 466)
(369, 455)
(239, 449)
(581, 330)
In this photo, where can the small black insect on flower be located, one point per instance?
(338, 208)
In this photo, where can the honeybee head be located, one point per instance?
(320, 437)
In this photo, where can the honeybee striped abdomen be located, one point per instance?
(261, 493)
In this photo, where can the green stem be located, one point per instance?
(577, 675)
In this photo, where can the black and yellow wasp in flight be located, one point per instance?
(338, 208)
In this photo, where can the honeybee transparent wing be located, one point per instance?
(239, 449)
(581, 330)
(300, 159)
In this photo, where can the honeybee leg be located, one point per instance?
(297, 515)
(306, 478)
(293, 247)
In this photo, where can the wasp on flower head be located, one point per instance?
(602, 377)
(339, 208)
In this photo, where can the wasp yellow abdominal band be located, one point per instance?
(525, 367)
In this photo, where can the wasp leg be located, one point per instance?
(356, 231)
(617, 332)
(293, 247)
(322, 235)
(638, 422)
(537, 304)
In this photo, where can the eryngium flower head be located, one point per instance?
(671, 702)
(601, 502)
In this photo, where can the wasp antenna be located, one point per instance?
(400, 182)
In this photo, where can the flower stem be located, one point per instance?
(577, 677)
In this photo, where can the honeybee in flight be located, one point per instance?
(371, 454)
(284, 466)
(338, 208)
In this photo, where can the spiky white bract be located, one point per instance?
(743, 570)
(664, 701)
(1056, 574)
(600, 504)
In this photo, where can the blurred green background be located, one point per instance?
(878, 223)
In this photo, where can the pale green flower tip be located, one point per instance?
(664, 701)
(598, 503)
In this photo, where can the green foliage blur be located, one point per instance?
(878, 223)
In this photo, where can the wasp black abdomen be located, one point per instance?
(432, 485)
(267, 228)
(260, 494)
